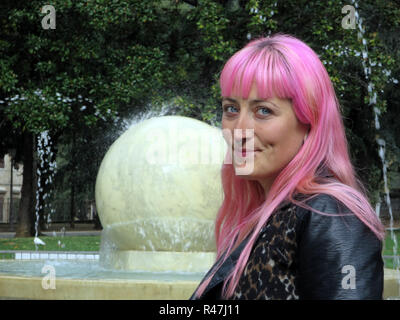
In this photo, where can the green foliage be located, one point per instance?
(261, 17)
(212, 22)
(58, 243)
(118, 57)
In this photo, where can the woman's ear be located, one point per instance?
(306, 135)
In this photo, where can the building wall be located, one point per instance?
(5, 179)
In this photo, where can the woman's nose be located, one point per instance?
(243, 128)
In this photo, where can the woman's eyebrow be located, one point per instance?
(229, 99)
(264, 100)
(258, 101)
(251, 101)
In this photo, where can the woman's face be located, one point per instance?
(278, 135)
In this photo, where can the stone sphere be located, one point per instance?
(159, 186)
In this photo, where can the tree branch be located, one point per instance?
(191, 2)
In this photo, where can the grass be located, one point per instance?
(92, 243)
(388, 248)
(69, 243)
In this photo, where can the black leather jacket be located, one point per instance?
(336, 257)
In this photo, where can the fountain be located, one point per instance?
(157, 192)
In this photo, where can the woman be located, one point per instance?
(297, 224)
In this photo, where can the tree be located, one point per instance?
(57, 81)
(106, 60)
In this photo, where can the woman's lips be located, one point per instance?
(246, 153)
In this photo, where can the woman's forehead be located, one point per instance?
(266, 72)
(254, 92)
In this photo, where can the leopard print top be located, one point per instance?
(270, 272)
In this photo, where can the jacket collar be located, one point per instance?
(226, 266)
(232, 259)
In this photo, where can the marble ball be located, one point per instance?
(159, 186)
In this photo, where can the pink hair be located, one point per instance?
(284, 66)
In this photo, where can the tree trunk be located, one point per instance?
(25, 225)
(72, 207)
(72, 199)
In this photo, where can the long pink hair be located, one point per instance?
(284, 66)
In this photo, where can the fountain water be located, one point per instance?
(46, 167)
(372, 95)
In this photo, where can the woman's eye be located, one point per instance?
(229, 109)
(232, 109)
(266, 111)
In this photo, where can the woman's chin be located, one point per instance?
(245, 170)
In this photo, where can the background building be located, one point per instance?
(8, 176)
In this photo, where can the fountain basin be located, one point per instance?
(87, 280)
(159, 261)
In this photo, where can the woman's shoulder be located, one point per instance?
(322, 202)
(328, 245)
(336, 221)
